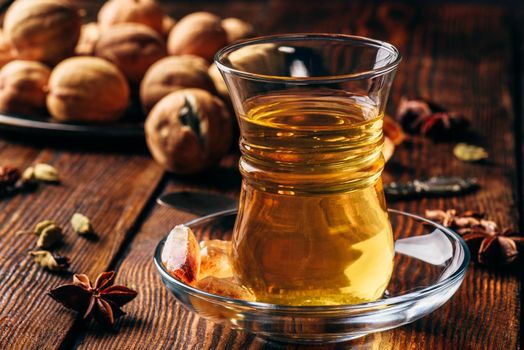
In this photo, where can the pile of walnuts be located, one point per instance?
(53, 64)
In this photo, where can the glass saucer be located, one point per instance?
(430, 265)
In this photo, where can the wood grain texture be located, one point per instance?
(456, 54)
(111, 189)
(459, 55)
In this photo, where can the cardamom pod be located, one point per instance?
(49, 261)
(50, 235)
(29, 174)
(81, 224)
(46, 173)
(39, 227)
(469, 153)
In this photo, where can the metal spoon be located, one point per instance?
(202, 203)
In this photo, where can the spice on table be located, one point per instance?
(27, 181)
(49, 233)
(81, 224)
(420, 116)
(498, 250)
(42, 225)
(41, 173)
(469, 153)
(9, 176)
(490, 245)
(101, 300)
(29, 174)
(48, 260)
(46, 173)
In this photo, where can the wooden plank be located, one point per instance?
(460, 56)
(111, 189)
(518, 102)
(455, 54)
(19, 156)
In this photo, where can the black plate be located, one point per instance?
(47, 127)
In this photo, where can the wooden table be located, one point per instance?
(468, 58)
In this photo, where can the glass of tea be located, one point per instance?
(312, 226)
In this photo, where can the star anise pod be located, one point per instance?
(486, 242)
(411, 112)
(102, 300)
(443, 125)
(498, 250)
(463, 221)
(420, 116)
(9, 175)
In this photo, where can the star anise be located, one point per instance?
(498, 250)
(486, 242)
(101, 300)
(13, 182)
(9, 175)
(420, 116)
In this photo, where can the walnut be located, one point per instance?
(173, 73)
(87, 89)
(262, 58)
(168, 23)
(237, 29)
(44, 30)
(131, 47)
(22, 87)
(218, 80)
(145, 12)
(6, 55)
(188, 130)
(89, 35)
(199, 34)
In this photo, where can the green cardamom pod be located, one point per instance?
(49, 261)
(81, 224)
(29, 174)
(46, 173)
(39, 227)
(50, 235)
(469, 153)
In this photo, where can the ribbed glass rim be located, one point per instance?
(409, 297)
(282, 38)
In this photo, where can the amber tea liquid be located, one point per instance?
(312, 227)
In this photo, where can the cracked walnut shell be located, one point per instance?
(188, 130)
